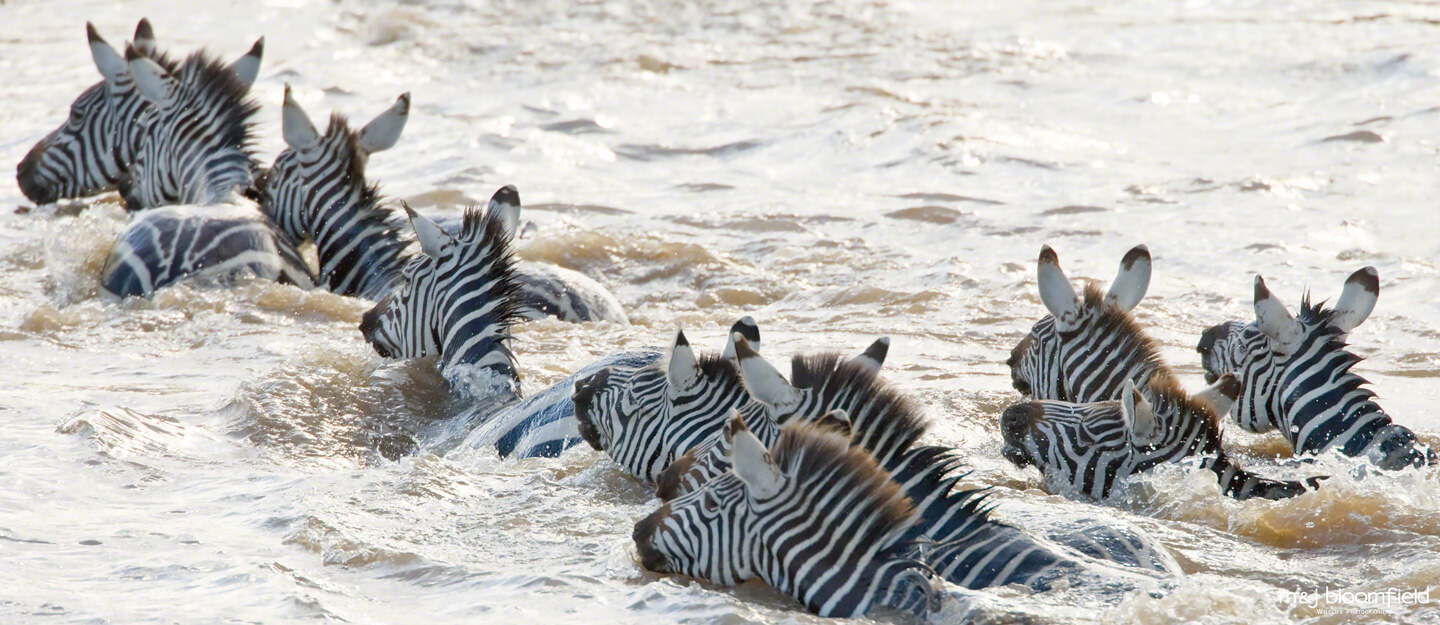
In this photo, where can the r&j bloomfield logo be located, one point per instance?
(1356, 600)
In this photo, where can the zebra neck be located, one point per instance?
(359, 246)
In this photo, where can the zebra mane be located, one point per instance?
(367, 208)
(1114, 321)
(1166, 390)
(212, 84)
(883, 416)
(1316, 319)
(821, 459)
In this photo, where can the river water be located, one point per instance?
(838, 170)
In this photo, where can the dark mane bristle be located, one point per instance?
(1115, 321)
(217, 86)
(887, 420)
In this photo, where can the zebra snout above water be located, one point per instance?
(644, 534)
(1015, 424)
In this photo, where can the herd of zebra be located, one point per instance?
(817, 484)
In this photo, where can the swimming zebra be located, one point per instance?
(457, 302)
(316, 190)
(847, 396)
(820, 520)
(1296, 376)
(1087, 448)
(93, 150)
(645, 418)
(196, 147)
(1090, 349)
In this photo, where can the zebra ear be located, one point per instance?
(762, 379)
(1133, 279)
(1056, 292)
(295, 125)
(506, 204)
(151, 80)
(112, 67)
(247, 67)
(432, 238)
(1221, 395)
(383, 131)
(1274, 320)
(745, 327)
(145, 38)
(873, 358)
(753, 465)
(682, 369)
(1139, 415)
(1356, 302)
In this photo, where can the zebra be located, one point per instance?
(820, 520)
(646, 418)
(1088, 448)
(195, 148)
(1297, 378)
(848, 397)
(1090, 349)
(92, 152)
(316, 190)
(457, 302)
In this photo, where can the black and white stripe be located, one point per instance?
(457, 301)
(1090, 349)
(196, 146)
(1296, 376)
(645, 418)
(817, 518)
(1088, 448)
(317, 190)
(93, 150)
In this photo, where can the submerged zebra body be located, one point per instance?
(196, 149)
(317, 190)
(1296, 377)
(1090, 349)
(820, 520)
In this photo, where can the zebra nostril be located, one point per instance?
(584, 398)
(28, 177)
(1015, 424)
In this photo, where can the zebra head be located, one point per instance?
(643, 418)
(1296, 376)
(843, 395)
(1087, 347)
(94, 148)
(197, 145)
(458, 297)
(816, 518)
(319, 172)
(1086, 448)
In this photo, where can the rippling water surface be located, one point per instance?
(838, 170)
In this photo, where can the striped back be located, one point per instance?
(1087, 448)
(457, 301)
(816, 518)
(1087, 347)
(644, 418)
(197, 144)
(92, 151)
(316, 190)
(1297, 378)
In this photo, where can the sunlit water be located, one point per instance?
(839, 171)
